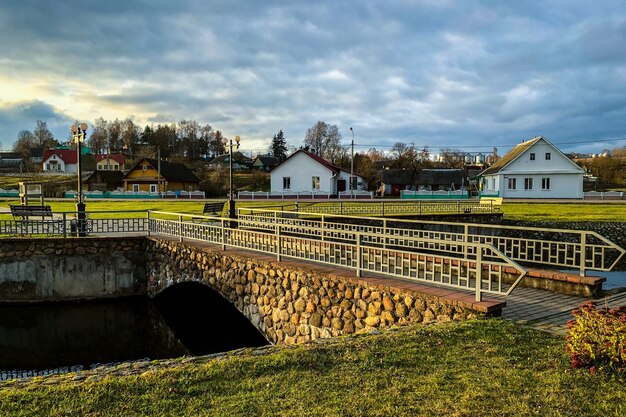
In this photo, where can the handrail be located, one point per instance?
(582, 254)
(480, 269)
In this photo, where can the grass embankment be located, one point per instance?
(565, 212)
(477, 368)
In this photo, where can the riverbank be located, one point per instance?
(476, 368)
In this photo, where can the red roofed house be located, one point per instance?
(110, 162)
(60, 160)
(305, 171)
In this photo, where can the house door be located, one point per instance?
(341, 185)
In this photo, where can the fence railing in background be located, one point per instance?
(568, 249)
(388, 208)
(433, 195)
(138, 194)
(606, 195)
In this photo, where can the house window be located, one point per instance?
(315, 183)
(145, 167)
(135, 187)
(47, 167)
(512, 183)
(153, 188)
(353, 183)
(493, 183)
(286, 183)
(548, 156)
(528, 183)
(532, 156)
(545, 183)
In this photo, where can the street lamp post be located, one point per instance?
(231, 198)
(352, 165)
(78, 135)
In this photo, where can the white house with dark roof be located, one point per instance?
(304, 171)
(534, 169)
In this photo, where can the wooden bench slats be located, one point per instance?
(213, 208)
(28, 211)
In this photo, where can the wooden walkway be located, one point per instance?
(547, 310)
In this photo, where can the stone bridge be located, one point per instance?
(288, 301)
(292, 302)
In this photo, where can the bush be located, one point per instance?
(597, 338)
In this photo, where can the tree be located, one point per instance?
(188, 132)
(206, 137)
(130, 136)
(278, 147)
(43, 137)
(216, 146)
(324, 140)
(23, 145)
(452, 158)
(114, 136)
(97, 142)
(408, 157)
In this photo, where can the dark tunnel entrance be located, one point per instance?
(204, 321)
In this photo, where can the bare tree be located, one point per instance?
(97, 141)
(452, 157)
(130, 135)
(43, 137)
(324, 140)
(114, 136)
(407, 156)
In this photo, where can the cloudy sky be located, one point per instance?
(475, 74)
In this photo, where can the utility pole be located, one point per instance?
(352, 165)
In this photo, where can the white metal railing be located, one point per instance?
(479, 267)
(570, 249)
(406, 207)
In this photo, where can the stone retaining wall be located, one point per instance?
(57, 269)
(290, 303)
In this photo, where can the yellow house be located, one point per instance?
(110, 162)
(144, 176)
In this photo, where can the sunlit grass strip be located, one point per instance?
(478, 368)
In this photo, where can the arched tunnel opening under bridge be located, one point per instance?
(204, 321)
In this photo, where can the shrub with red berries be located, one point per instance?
(597, 338)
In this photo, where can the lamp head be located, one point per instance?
(83, 127)
(74, 129)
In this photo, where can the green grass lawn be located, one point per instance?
(565, 212)
(511, 210)
(478, 368)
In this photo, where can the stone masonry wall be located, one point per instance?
(56, 269)
(291, 303)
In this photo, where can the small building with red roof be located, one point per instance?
(60, 161)
(304, 171)
(110, 162)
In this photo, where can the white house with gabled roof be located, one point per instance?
(534, 169)
(304, 171)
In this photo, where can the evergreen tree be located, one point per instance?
(278, 148)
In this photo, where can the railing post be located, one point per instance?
(420, 202)
(458, 207)
(358, 255)
(583, 253)
(64, 225)
(466, 240)
(341, 207)
(223, 234)
(278, 243)
(479, 272)
(148, 221)
(384, 233)
(323, 229)
(180, 227)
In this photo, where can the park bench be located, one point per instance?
(24, 212)
(494, 202)
(43, 222)
(214, 209)
(210, 209)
